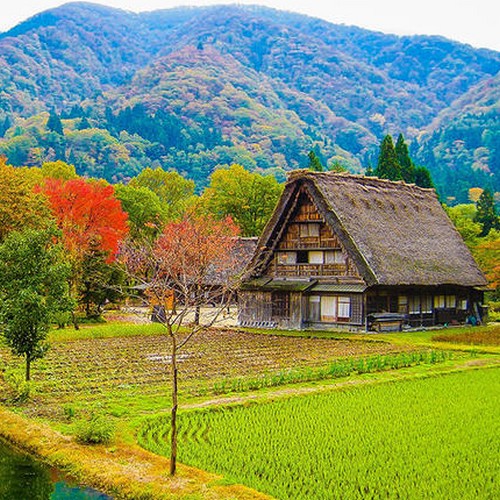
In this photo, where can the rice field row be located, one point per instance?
(418, 439)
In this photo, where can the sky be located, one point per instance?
(476, 22)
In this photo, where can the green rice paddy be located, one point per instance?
(429, 438)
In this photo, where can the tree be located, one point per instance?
(463, 216)
(314, 163)
(179, 273)
(145, 211)
(20, 206)
(100, 281)
(54, 123)
(388, 166)
(90, 218)
(175, 193)
(33, 287)
(486, 213)
(58, 170)
(423, 177)
(248, 198)
(404, 160)
(87, 211)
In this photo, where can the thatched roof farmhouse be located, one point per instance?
(359, 252)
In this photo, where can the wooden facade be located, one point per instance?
(310, 271)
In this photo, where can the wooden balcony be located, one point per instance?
(307, 270)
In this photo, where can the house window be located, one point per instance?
(445, 301)
(344, 308)
(287, 258)
(314, 308)
(426, 304)
(414, 305)
(316, 257)
(335, 308)
(402, 304)
(328, 308)
(302, 257)
(462, 304)
(280, 305)
(439, 301)
(334, 257)
(309, 230)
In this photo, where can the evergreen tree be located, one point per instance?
(314, 162)
(486, 213)
(54, 123)
(388, 166)
(423, 177)
(83, 123)
(404, 160)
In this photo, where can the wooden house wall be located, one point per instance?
(292, 240)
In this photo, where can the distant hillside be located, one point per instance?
(462, 145)
(192, 88)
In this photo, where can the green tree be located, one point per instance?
(404, 160)
(248, 198)
(423, 177)
(58, 170)
(54, 123)
(486, 213)
(99, 281)
(388, 166)
(174, 191)
(314, 163)
(463, 216)
(33, 288)
(146, 214)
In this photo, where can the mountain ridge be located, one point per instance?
(333, 87)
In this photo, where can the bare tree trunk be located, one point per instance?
(173, 421)
(28, 367)
(74, 320)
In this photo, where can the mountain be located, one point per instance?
(192, 88)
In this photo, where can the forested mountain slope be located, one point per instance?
(228, 83)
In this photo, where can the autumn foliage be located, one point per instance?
(87, 211)
(195, 247)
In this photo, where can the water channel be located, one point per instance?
(22, 478)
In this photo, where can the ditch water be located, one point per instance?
(23, 478)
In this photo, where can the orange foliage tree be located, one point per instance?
(91, 220)
(87, 211)
(191, 264)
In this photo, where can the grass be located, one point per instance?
(431, 438)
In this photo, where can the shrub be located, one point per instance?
(95, 430)
(20, 389)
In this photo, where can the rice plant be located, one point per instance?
(429, 438)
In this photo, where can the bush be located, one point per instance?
(95, 430)
(20, 389)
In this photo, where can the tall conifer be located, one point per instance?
(404, 160)
(388, 166)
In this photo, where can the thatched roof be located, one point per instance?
(397, 233)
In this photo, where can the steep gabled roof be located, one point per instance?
(397, 233)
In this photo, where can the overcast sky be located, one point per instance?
(476, 22)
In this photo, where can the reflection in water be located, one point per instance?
(22, 478)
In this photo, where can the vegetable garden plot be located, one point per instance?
(418, 439)
(120, 367)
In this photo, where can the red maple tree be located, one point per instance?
(86, 212)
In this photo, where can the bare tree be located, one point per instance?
(190, 265)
